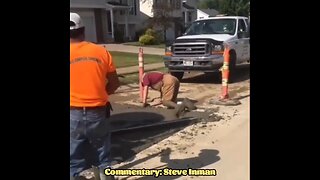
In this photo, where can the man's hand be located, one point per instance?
(156, 102)
(113, 82)
(145, 105)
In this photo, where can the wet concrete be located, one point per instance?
(126, 144)
(129, 115)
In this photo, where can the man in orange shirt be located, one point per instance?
(93, 78)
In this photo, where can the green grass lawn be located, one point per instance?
(124, 59)
(138, 44)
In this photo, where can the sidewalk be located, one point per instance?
(135, 69)
(133, 49)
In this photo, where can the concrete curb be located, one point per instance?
(135, 69)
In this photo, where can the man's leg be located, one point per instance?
(176, 87)
(77, 143)
(170, 91)
(99, 134)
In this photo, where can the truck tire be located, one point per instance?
(178, 75)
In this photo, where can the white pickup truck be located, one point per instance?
(201, 46)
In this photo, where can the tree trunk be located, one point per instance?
(164, 35)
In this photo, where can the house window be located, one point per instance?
(133, 7)
(189, 16)
(171, 2)
(122, 11)
(109, 21)
(178, 4)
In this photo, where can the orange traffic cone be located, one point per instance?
(141, 71)
(224, 98)
(225, 73)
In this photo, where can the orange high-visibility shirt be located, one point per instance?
(89, 66)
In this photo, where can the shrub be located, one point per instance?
(155, 34)
(147, 40)
(150, 32)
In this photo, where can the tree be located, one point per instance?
(235, 7)
(230, 7)
(162, 14)
(209, 4)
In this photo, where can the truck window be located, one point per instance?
(242, 26)
(212, 26)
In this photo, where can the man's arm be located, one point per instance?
(145, 95)
(113, 82)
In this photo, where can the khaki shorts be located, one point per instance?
(170, 88)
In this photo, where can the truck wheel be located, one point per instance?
(178, 75)
(232, 66)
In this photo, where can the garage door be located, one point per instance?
(88, 19)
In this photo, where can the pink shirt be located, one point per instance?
(152, 78)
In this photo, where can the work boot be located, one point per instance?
(178, 109)
(186, 104)
(189, 104)
(170, 104)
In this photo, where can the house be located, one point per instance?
(109, 20)
(205, 13)
(183, 14)
(93, 15)
(124, 19)
(189, 13)
(120, 20)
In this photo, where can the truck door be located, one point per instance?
(245, 40)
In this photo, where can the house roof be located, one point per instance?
(185, 5)
(210, 12)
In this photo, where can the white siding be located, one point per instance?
(146, 7)
(201, 14)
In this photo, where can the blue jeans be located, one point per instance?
(89, 137)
